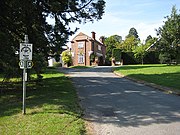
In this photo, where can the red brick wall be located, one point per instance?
(85, 50)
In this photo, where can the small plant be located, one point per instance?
(57, 64)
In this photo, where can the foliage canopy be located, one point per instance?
(18, 18)
(170, 34)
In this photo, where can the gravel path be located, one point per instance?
(116, 106)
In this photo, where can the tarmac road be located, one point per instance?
(116, 106)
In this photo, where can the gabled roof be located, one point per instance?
(82, 34)
(86, 37)
(151, 46)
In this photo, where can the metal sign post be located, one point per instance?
(25, 62)
(24, 90)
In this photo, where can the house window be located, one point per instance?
(80, 58)
(99, 47)
(80, 44)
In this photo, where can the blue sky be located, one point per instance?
(121, 15)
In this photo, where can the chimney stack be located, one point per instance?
(102, 39)
(93, 35)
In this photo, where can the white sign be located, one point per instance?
(25, 64)
(25, 51)
(22, 64)
(29, 64)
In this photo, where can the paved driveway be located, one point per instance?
(117, 106)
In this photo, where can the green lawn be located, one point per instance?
(159, 74)
(80, 67)
(52, 108)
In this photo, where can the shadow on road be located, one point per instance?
(107, 98)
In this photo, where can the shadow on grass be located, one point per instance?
(165, 79)
(56, 95)
(138, 67)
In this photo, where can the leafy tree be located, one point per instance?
(29, 17)
(133, 32)
(116, 53)
(148, 38)
(169, 35)
(111, 43)
(140, 52)
(164, 58)
(67, 57)
(129, 44)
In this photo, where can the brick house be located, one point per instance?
(87, 51)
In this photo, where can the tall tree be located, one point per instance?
(18, 18)
(133, 32)
(140, 51)
(170, 34)
(111, 43)
(129, 44)
(148, 38)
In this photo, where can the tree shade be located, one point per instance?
(18, 18)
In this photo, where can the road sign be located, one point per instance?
(25, 64)
(25, 51)
(29, 64)
(22, 64)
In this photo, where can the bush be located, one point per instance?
(116, 53)
(164, 58)
(150, 58)
(128, 58)
(57, 64)
(67, 57)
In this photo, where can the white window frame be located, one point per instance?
(80, 58)
(80, 44)
(99, 47)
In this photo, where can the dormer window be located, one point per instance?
(80, 45)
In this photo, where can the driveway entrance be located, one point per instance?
(117, 106)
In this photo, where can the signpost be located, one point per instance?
(25, 57)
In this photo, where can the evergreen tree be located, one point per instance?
(170, 35)
(18, 18)
(133, 32)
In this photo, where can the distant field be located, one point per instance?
(52, 108)
(159, 74)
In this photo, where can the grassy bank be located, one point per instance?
(52, 108)
(159, 74)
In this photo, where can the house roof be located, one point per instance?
(85, 37)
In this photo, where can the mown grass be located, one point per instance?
(159, 74)
(52, 108)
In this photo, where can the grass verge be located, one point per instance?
(158, 74)
(52, 108)
(80, 67)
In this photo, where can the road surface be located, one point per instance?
(116, 106)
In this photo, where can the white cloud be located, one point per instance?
(145, 29)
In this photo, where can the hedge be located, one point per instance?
(151, 57)
(116, 53)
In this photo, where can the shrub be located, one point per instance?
(67, 57)
(57, 64)
(164, 58)
(128, 58)
(116, 53)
